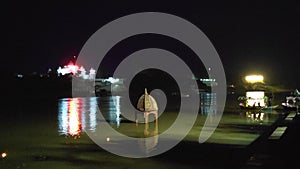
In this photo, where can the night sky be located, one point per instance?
(250, 37)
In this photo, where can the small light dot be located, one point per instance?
(107, 139)
(3, 155)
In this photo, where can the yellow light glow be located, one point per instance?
(254, 78)
(3, 155)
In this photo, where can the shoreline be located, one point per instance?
(51, 88)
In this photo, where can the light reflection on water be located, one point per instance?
(75, 115)
(208, 103)
(258, 116)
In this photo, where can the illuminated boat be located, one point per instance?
(255, 100)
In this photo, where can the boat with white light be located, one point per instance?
(256, 99)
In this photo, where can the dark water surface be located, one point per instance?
(49, 132)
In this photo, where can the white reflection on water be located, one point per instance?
(208, 103)
(257, 116)
(152, 137)
(115, 110)
(76, 115)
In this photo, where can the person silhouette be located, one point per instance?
(269, 101)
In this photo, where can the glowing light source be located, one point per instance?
(107, 139)
(3, 155)
(73, 68)
(112, 80)
(254, 78)
(78, 71)
(20, 76)
(255, 98)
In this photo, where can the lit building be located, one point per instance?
(75, 70)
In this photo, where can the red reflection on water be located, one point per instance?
(74, 120)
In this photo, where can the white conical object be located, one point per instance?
(146, 102)
(147, 105)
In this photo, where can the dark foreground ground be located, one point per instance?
(271, 151)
